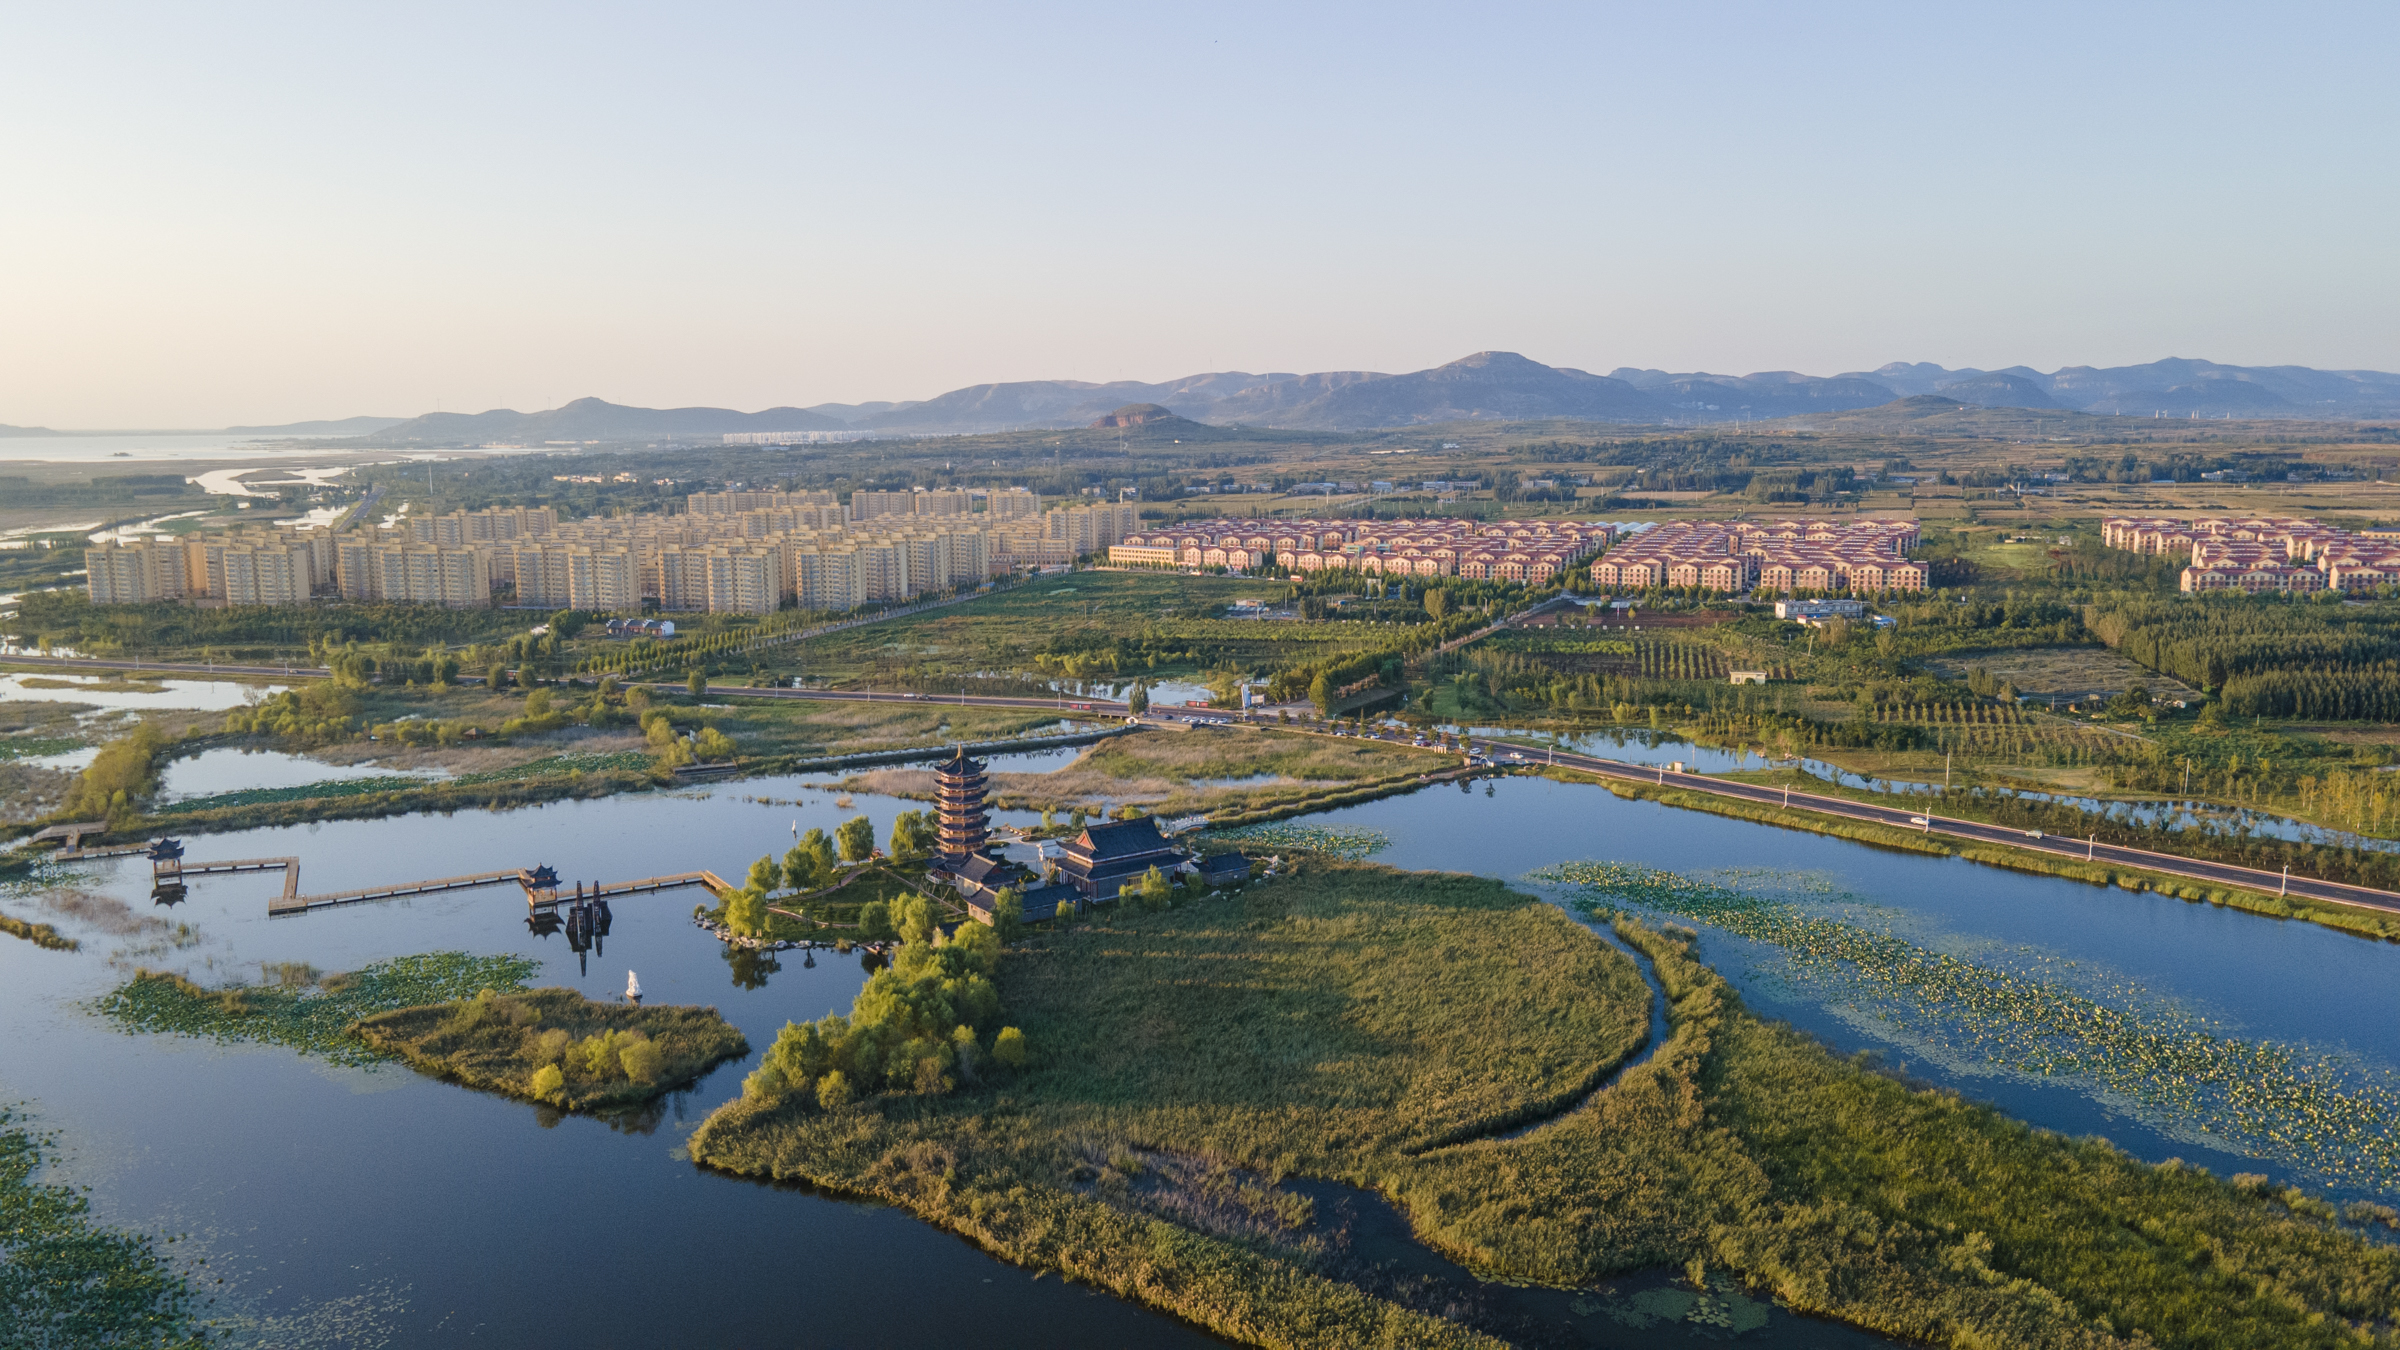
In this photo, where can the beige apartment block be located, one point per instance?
(264, 572)
(735, 503)
(604, 579)
(1012, 504)
(134, 573)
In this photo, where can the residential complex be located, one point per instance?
(2256, 554)
(740, 552)
(1775, 555)
(1512, 550)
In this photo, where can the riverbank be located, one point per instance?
(374, 799)
(2359, 922)
(1364, 1016)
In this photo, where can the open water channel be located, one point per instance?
(365, 1207)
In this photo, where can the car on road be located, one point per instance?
(1920, 820)
(2033, 834)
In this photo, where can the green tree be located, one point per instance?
(746, 912)
(857, 839)
(765, 877)
(696, 682)
(833, 1091)
(810, 863)
(1155, 890)
(913, 836)
(1437, 601)
(1008, 914)
(1138, 702)
(1320, 692)
(124, 769)
(549, 1083)
(875, 922)
(495, 676)
(913, 916)
(642, 1060)
(712, 744)
(1009, 1047)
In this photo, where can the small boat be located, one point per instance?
(633, 988)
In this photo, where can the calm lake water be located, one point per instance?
(359, 1207)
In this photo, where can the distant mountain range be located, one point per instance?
(346, 426)
(1488, 386)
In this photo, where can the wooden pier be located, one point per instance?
(544, 899)
(302, 904)
(537, 895)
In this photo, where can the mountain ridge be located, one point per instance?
(1488, 385)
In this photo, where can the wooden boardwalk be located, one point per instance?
(291, 903)
(715, 884)
(535, 897)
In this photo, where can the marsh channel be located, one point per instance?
(345, 1206)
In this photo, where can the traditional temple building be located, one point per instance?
(964, 826)
(1104, 857)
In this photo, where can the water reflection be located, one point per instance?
(750, 967)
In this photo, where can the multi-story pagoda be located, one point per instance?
(965, 827)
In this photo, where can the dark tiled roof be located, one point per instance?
(1121, 839)
(959, 764)
(1041, 902)
(1224, 865)
(978, 867)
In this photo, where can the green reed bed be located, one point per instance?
(303, 1010)
(2319, 1113)
(66, 1281)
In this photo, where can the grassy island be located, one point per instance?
(556, 1046)
(1357, 1024)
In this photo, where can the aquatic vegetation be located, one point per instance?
(556, 1046)
(307, 792)
(66, 1281)
(2312, 1111)
(314, 1018)
(1336, 841)
(39, 934)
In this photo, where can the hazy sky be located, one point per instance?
(249, 213)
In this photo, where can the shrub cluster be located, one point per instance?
(916, 1027)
